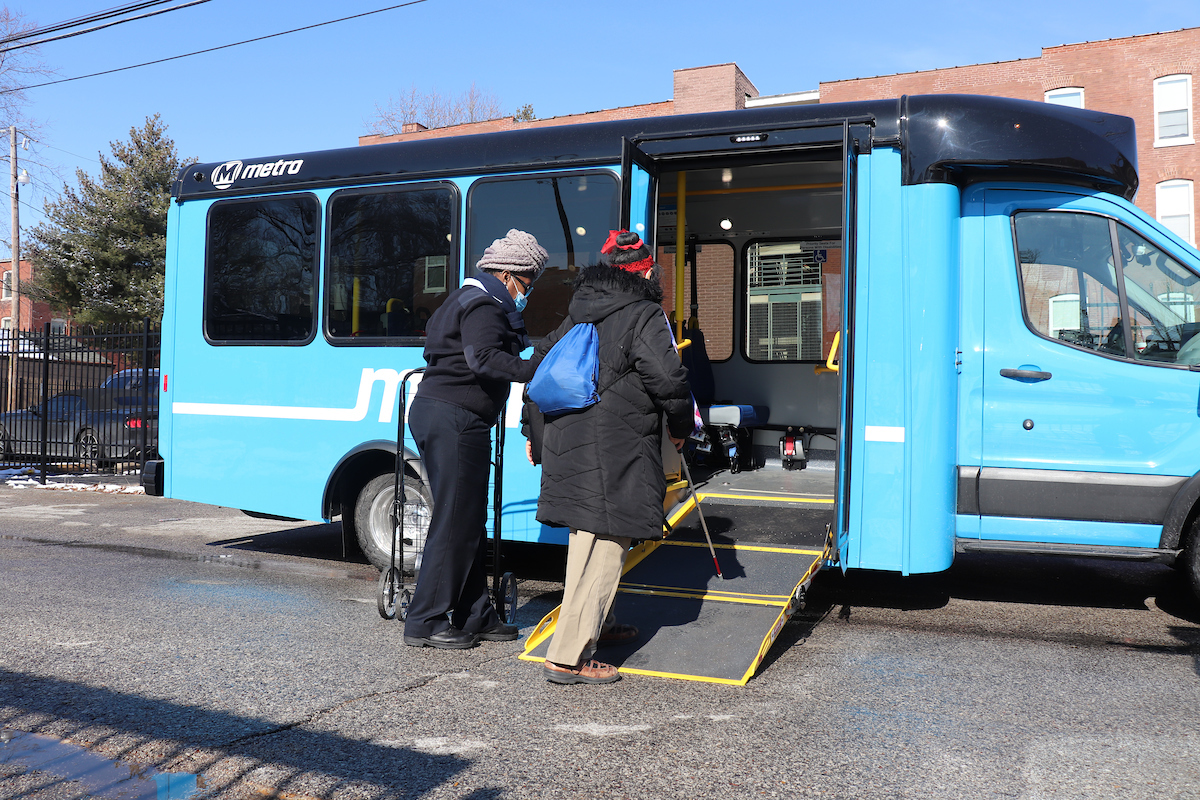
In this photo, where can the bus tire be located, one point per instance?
(1190, 558)
(373, 525)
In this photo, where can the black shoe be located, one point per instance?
(499, 632)
(449, 639)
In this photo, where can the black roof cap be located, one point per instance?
(944, 139)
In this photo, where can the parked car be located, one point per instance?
(95, 427)
(131, 379)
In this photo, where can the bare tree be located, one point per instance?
(17, 68)
(434, 109)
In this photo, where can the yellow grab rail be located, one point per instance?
(831, 364)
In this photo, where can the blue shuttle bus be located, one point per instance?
(952, 298)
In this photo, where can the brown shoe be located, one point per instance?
(587, 672)
(618, 634)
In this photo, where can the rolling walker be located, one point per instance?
(394, 591)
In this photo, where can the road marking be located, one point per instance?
(596, 729)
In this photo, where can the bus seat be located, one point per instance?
(730, 426)
(700, 374)
(736, 416)
(727, 425)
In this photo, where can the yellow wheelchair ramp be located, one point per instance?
(694, 625)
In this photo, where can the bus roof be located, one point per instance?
(943, 138)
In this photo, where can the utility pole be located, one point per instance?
(14, 335)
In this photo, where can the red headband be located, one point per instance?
(640, 265)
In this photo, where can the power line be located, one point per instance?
(95, 28)
(210, 49)
(59, 149)
(84, 20)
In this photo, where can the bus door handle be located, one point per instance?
(1026, 375)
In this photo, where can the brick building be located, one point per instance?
(1149, 78)
(33, 314)
(720, 87)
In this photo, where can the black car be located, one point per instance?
(95, 427)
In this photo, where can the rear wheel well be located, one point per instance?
(357, 469)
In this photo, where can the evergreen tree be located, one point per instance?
(101, 255)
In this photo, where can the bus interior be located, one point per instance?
(763, 286)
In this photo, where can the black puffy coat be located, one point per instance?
(602, 467)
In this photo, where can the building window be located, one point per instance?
(1173, 110)
(784, 309)
(6, 324)
(1174, 208)
(1069, 96)
(435, 273)
(6, 292)
(58, 327)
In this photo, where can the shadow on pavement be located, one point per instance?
(225, 749)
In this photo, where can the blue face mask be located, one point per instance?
(521, 300)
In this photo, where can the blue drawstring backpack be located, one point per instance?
(566, 378)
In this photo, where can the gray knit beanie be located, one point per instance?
(518, 252)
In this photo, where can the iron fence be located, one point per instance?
(84, 401)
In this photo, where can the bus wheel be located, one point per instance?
(373, 520)
(1190, 559)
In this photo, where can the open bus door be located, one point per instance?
(695, 622)
(851, 138)
(642, 163)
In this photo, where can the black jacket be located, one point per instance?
(602, 467)
(472, 347)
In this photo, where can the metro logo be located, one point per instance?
(228, 173)
(224, 175)
(273, 168)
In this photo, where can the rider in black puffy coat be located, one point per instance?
(602, 468)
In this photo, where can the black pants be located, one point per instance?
(456, 447)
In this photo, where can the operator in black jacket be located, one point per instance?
(472, 348)
(602, 467)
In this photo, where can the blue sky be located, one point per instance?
(318, 89)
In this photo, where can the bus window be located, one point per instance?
(391, 261)
(1162, 297)
(570, 214)
(260, 270)
(1068, 280)
(788, 286)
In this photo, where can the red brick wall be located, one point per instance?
(715, 271)
(721, 87)
(33, 315)
(1116, 75)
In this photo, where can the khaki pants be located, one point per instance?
(594, 563)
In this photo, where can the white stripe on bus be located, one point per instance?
(387, 406)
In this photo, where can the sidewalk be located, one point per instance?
(128, 482)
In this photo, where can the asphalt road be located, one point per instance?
(243, 658)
